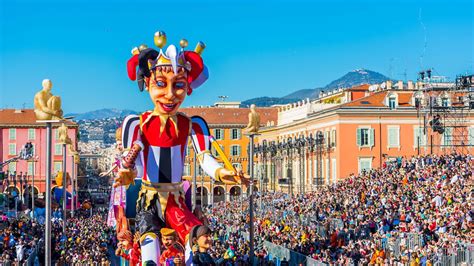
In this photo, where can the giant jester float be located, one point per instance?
(156, 143)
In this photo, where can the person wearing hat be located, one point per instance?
(200, 240)
(174, 250)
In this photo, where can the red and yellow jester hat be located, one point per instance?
(148, 59)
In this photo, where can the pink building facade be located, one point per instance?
(17, 127)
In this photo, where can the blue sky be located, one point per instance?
(264, 48)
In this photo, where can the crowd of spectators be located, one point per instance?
(86, 241)
(362, 218)
(18, 239)
(365, 219)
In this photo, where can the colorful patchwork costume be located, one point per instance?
(157, 144)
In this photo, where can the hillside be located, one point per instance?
(100, 114)
(350, 79)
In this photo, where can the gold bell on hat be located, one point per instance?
(183, 43)
(200, 46)
(160, 39)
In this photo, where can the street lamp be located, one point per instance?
(319, 155)
(289, 147)
(300, 145)
(310, 143)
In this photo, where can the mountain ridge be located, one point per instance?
(350, 79)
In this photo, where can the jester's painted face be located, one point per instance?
(167, 89)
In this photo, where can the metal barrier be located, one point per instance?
(293, 257)
(464, 253)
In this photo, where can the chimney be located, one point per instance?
(389, 84)
(410, 85)
(400, 85)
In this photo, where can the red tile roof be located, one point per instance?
(362, 87)
(231, 116)
(377, 100)
(22, 118)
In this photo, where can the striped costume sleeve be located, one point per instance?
(201, 138)
(130, 135)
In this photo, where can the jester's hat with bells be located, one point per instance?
(147, 59)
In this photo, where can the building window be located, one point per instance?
(187, 169)
(31, 134)
(392, 102)
(30, 168)
(188, 148)
(57, 167)
(419, 135)
(326, 138)
(444, 102)
(58, 149)
(393, 136)
(56, 134)
(471, 136)
(333, 138)
(235, 150)
(365, 137)
(365, 164)
(326, 172)
(214, 151)
(12, 134)
(219, 133)
(447, 136)
(12, 167)
(12, 149)
(235, 133)
(333, 171)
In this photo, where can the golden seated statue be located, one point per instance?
(47, 106)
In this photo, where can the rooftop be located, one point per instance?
(231, 116)
(22, 118)
(377, 99)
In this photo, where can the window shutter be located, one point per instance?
(238, 149)
(397, 136)
(421, 132)
(471, 136)
(416, 134)
(393, 137)
(238, 133)
(359, 133)
(447, 136)
(371, 137)
(333, 138)
(12, 149)
(30, 168)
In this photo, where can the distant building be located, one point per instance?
(226, 122)
(17, 127)
(359, 129)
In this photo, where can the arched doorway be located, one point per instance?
(219, 194)
(235, 193)
(27, 196)
(204, 200)
(12, 190)
(12, 196)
